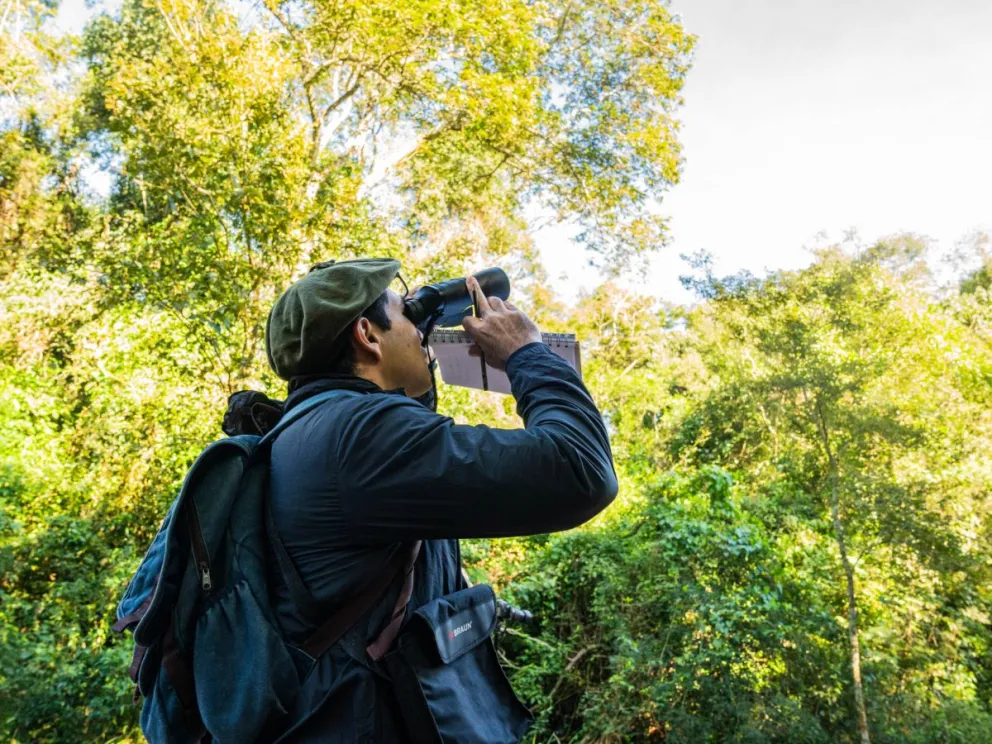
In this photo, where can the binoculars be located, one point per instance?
(445, 304)
(507, 613)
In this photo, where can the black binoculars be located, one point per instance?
(445, 304)
(507, 613)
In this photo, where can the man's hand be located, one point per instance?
(500, 330)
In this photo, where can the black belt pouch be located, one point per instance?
(448, 680)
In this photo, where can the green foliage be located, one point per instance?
(61, 676)
(678, 622)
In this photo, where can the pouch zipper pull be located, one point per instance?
(200, 552)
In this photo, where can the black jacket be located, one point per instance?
(366, 472)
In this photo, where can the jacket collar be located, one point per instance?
(302, 388)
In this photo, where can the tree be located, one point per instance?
(842, 382)
(260, 147)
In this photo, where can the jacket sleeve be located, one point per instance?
(408, 473)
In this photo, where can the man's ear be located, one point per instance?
(367, 339)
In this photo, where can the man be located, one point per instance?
(374, 469)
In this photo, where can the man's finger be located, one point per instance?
(482, 302)
(470, 323)
(496, 303)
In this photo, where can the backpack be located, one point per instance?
(209, 657)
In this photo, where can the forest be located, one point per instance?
(800, 551)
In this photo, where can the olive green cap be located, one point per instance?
(308, 317)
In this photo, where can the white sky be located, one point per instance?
(804, 116)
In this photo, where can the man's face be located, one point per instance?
(404, 361)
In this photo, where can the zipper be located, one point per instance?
(200, 552)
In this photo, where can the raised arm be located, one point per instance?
(408, 473)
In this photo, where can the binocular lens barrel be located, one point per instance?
(450, 300)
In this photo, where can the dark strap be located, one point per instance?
(378, 648)
(181, 676)
(303, 600)
(333, 628)
(306, 605)
(131, 621)
(137, 656)
(134, 618)
(303, 408)
(342, 621)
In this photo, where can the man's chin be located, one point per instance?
(424, 388)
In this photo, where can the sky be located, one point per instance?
(804, 118)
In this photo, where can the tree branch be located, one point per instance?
(571, 665)
(6, 12)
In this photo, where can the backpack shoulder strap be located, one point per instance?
(298, 412)
(331, 629)
(334, 627)
(341, 622)
(304, 601)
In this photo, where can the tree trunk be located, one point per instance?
(852, 606)
(852, 614)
